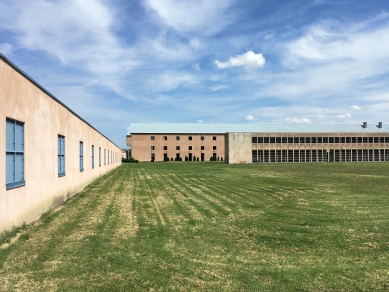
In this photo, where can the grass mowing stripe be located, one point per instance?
(192, 204)
(294, 228)
(200, 199)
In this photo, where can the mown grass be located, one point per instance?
(212, 227)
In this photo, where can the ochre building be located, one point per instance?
(48, 152)
(260, 143)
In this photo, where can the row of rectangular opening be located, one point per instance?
(15, 166)
(190, 138)
(348, 155)
(153, 148)
(319, 140)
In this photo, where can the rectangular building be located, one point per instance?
(48, 152)
(261, 143)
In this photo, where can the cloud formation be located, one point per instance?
(297, 120)
(355, 108)
(192, 16)
(250, 118)
(344, 116)
(250, 61)
(196, 66)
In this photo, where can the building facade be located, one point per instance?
(49, 153)
(261, 143)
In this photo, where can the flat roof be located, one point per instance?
(199, 128)
(5, 59)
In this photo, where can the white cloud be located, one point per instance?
(196, 66)
(250, 118)
(200, 121)
(249, 60)
(219, 87)
(171, 80)
(6, 49)
(192, 16)
(344, 116)
(340, 41)
(297, 120)
(355, 107)
(195, 43)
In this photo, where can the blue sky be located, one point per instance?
(220, 61)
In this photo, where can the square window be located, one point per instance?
(165, 138)
(202, 138)
(152, 138)
(164, 147)
(152, 148)
(202, 147)
(177, 138)
(14, 154)
(177, 147)
(190, 147)
(214, 138)
(190, 138)
(214, 147)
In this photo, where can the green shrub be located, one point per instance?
(221, 158)
(130, 160)
(171, 159)
(194, 158)
(186, 158)
(197, 159)
(165, 158)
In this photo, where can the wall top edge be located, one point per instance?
(25, 75)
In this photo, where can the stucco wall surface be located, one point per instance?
(44, 119)
(238, 147)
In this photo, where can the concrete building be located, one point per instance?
(261, 143)
(49, 153)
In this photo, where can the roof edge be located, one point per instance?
(24, 74)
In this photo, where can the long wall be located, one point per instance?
(43, 183)
(144, 146)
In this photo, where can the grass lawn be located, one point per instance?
(211, 227)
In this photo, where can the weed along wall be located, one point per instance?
(48, 152)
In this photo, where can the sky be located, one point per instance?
(222, 61)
